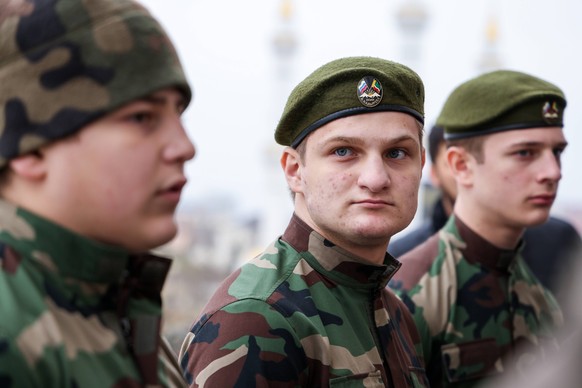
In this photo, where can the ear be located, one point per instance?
(461, 164)
(30, 166)
(292, 167)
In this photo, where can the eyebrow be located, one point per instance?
(561, 144)
(358, 141)
(343, 139)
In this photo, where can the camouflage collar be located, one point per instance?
(334, 262)
(479, 250)
(59, 250)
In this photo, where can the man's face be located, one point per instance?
(119, 179)
(517, 182)
(358, 181)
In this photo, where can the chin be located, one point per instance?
(157, 237)
(376, 232)
(537, 219)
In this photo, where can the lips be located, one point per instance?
(173, 189)
(373, 203)
(177, 186)
(543, 199)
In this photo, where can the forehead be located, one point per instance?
(541, 137)
(377, 126)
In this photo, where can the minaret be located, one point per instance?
(285, 42)
(411, 18)
(278, 206)
(490, 60)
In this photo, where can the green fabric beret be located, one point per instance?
(66, 63)
(501, 100)
(345, 87)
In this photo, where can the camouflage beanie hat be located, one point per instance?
(501, 100)
(65, 63)
(345, 87)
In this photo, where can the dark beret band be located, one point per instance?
(351, 112)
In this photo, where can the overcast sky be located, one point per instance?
(227, 49)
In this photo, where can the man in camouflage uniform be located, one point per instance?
(92, 151)
(312, 310)
(550, 249)
(477, 305)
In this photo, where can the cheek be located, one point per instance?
(340, 183)
(513, 180)
(407, 184)
(323, 191)
(125, 185)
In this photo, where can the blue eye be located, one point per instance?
(396, 154)
(342, 152)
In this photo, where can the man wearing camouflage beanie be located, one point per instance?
(478, 306)
(313, 310)
(92, 152)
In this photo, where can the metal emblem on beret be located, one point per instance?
(550, 112)
(370, 91)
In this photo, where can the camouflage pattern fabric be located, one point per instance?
(65, 63)
(304, 313)
(75, 313)
(479, 310)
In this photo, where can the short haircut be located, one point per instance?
(436, 137)
(473, 145)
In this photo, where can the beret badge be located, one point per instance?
(550, 112)
(370, 91)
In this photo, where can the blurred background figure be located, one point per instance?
(562, 369)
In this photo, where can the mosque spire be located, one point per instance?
(490, 59)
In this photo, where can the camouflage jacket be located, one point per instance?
(474, 306)
(304, 313)
(75, 313)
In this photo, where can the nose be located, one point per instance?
(551, 169)
(180, 147)
(374, 174)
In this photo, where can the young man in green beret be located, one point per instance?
(550, 249)
(92, 151)
(477, 305)
(313, 309)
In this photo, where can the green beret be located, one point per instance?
(345, 87)
(501, 100)
(66, 63)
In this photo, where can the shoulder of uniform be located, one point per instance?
(415, 264)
